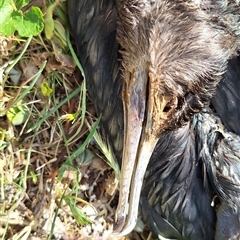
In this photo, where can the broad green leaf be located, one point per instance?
(6, 23)
(20, 3)
(5, 11)
(7, 28)
(13, 19)
(30, 23)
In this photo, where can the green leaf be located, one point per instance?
(13, 19)
(18, 114)
(30, 23)
(20, 3)
(6, 23)
(3, 145)
(7, 29)
(59, 37)
(45, 89)
(5, 10)
(79, 216)
(49, 22)
(33, 176)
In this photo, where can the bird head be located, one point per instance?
(173, 57)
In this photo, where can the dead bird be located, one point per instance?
(150, 67)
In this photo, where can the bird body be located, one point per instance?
(190, 166)
(152, 67)
(227, 98)
(175, 200)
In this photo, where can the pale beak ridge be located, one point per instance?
(137, 151)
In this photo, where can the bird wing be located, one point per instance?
(220, 153)
(221, 136)
(93, 25)
(226, 101)
(175, 198)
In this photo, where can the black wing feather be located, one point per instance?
(93, 25)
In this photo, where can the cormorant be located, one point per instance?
(194, 163)
(152, 68)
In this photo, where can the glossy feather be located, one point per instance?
(199, 157)
(208, 156)
(93, 26)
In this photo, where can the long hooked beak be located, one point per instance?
(139, 144)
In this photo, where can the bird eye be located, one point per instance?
(171, 104)
(167, 108)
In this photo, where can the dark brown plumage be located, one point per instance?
(152, 65)
(193, 164)
(183, 49)
(176, 197)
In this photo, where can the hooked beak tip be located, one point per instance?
(131, 185)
